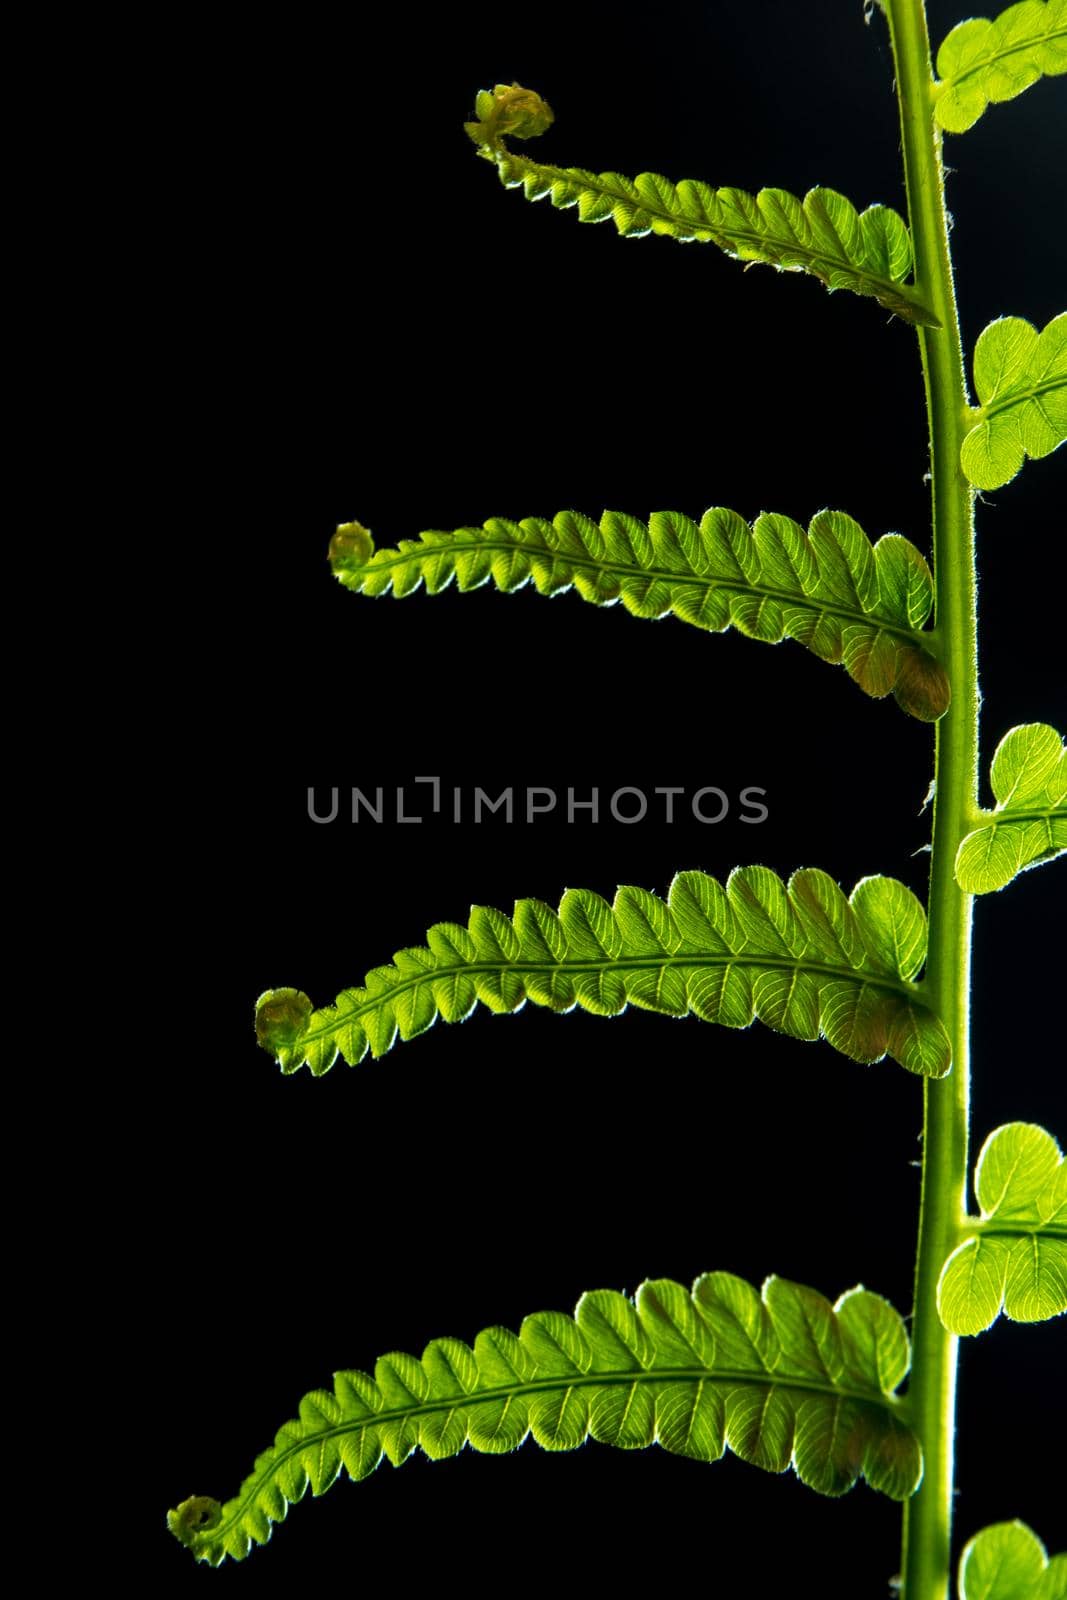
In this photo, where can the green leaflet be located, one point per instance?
(1029, 824)
(802, 959)
(844, 599)
(1017, 1259)
(982, 61)
(824, 235)
(783, 1380)
(1009, 1562)
(1021, 379)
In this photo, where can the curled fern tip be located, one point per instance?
(508, 109)
(281, 1017)
(194, 1517)
(351, 546)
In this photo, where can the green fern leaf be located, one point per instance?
(1008, 1562)
(828, 587)
(823, 234)
(782, 1380)
(802, 959)
(1029, 824)
(1016, 1260)
(982, 61)
(1021, 379)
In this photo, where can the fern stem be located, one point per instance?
(928, 1516)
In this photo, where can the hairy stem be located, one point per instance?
(928, 1516)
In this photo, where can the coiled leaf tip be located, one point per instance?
(281, 1017)
(194, 1518)
(508, 109)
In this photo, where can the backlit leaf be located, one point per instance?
(783, 1379)
(1008, 1562)
(1029, 823)
(1016, 1259)
(869, 252)
(982, 61)
(1021, 379)
(828, 587)
(802, 958)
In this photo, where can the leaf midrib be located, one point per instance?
(893, 1405)
(900, 987)
(581, 179)
(1016, 397)
(997, 819)
(868, 619)
(1002, 54)
(1016, 1230)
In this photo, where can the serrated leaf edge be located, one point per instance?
(647, 1332)
(988, 1225)
(1056, 11)
(861, 1005)
(694, 211)
(1006, 816)
(665, 565)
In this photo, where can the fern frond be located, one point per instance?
(1020, 376)
(982, 61)
(803, 959)
(1017, 1259)
(783, 1379)
(845, 599)
(1008, 1562)
(1029, 824)
(869, 253)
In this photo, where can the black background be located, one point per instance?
(382, 332)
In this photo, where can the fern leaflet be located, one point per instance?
(823, 234)
(1008, 1562)
(1029, 824)
(803, 959)
(780, 1379)
(982, 61)
(1021, 379)
(1017, 1259)
(845, 599)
